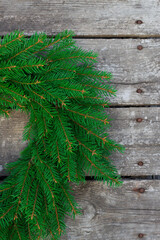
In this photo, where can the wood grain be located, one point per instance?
(141, 139)
(11, 131)
(87, 17)
(124, 212)
(116, 214)
(131, 68)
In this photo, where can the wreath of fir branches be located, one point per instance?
(58, 86)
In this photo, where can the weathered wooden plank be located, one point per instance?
(131, 68)
(127, 130)
(116, 214)
(11, 131)
(102, 18)
(138, 160)
(141, 139)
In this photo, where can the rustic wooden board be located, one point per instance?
(125, 128)
(141, 139)
(89, 17)
(116, 214)
(11, 144)
(131, 68)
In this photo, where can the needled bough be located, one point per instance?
(58, 86)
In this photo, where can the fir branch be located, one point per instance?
(26, 83)
(4, 214)
(22, 67)
(84, 97)
(59, 160)
(29, 165)
(15, 102)
(24, 50)
(55, 97)
(13, 40)
(45, 204)
(89, 131)
(5, 198)
(57, 50)
(59, 79)
(7, 112)
(73, 209)
(31, 66)
(67, 139)
(9, 67)
(56, 82)
(94, 165)
(41, 161)
(41, 96)
(59, 228)
(50, 171)
(5, 189)
(46, 184)
(29, 231)
(99, 88)
(35, 202)
(14, 92)
(51, 234)
(43, 108)
(72, 57)
(52, 43)
(92, 151)
(71, 89)
(19, 236)
(68, 169)
(45, 127)
(29, 191)
(88, 116)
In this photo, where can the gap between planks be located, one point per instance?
(103, 36)
(114, 37)
(133, 178)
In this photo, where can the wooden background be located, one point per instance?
(126, 34)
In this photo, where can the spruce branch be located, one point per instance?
(57, 85)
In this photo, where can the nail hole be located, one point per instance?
(139, 47)
(138, 22)
(139, 90)
(140, 163)
(140, 235)
(141, 190)
(139, 119)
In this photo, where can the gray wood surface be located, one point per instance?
(108, 213)
(87, 17)
(131, 68)
(11, 144)
(141, 139)
(116, 214)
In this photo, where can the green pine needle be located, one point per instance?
(57, 84)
